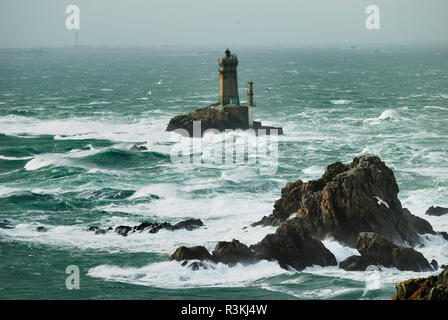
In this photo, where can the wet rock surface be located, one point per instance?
(436, 211)
(291, 246)
(233, 252)
(348, 200)
(151, 227)
(191, 253)
(375, 250)
(209, 118)
(431, 288)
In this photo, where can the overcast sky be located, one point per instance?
(31, 23)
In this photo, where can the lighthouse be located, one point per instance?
(228, 82)
(227, 113)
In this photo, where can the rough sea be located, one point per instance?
(69, 118)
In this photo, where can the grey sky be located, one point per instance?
(28, 23)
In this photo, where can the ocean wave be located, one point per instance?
(103, 158)
(337, 102)
(87, 128)
(15, 158)
(170, 274)
(320, 293)
(386, 115)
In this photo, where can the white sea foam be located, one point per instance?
(170, 274)
(59, 159)
(313, 171)
(337, 102)
(386, 115)
(321, 293)
(162, 242)
(340, 251)
(86, 128)
(98, 102)
(15, 158)
(435, 107)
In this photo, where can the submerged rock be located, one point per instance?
(348, 200)
(138, 148)
(198, 265)
(41, 229)
(431, 288)
(375, 250)
(436, 211)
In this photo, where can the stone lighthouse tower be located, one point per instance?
(228, 83)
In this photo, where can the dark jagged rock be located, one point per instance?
(123, 230)
(189, 224)
(347, 200)
(436, 211)
(356, 263)
(98, 230)
(434, 265)
(143, 226)
(375, 250)
(233, 252)
(191, 253)
(443, 234)
(138, 148)
(159, 226)
(291, 246)
(41, 229)
(431, 288)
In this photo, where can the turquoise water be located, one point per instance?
(68, 120)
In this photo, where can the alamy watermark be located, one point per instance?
(251, 147)
(373, 18)
(73, 280)
(72, 22)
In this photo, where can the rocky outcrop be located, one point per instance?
(348, 200)
(233, 252)
(219, 118)
(375, 250)
(191, 253)
(432, 288)
(291, 246)
(436, 211)
(151, 227)
(209, 118)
